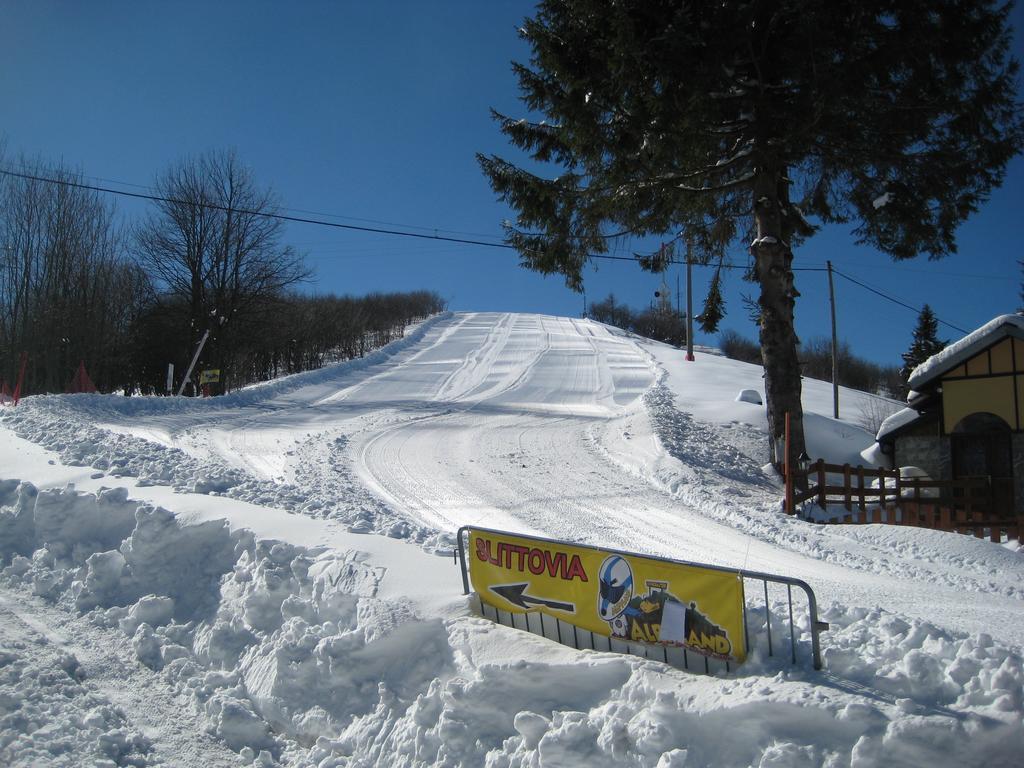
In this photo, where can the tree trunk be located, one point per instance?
(773, 268)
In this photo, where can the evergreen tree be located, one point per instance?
(714, 306)
(925, 342)
(737, 121)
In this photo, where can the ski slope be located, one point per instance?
(539, 424)
(544, 425)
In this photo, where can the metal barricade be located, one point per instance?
(754, 602)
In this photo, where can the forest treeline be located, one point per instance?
(660, 322)
(815, 356)
(79, 283)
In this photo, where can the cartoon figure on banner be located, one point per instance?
(615, 583)
(657, 616)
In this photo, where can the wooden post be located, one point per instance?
(860, 483)
(822, 501)
(847, 499)
(944, 522)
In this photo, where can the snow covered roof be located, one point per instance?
(967, 347)
(897, 421)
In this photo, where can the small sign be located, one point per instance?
(210, 376)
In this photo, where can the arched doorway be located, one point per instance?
(982, 446)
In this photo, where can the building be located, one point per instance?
(965, 414)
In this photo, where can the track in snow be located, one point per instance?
(86, 691)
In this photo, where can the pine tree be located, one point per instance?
(735, 122)
(714, 307)
(925, 342)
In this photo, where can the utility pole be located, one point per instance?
(835, 348)
(192, 365)
(689, 303)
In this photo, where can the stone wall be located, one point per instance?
(1018, 472)
(932, 454)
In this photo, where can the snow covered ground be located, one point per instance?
(267, 577)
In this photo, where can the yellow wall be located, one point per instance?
(967, 396)
(978, 365)
(986, 383)
(1002, 357)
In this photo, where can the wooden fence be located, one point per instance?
(871, 495)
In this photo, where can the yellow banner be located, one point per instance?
(210, 376)
(618, 595)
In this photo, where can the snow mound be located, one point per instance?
(749, 396)
(290, 657)
(48, 711)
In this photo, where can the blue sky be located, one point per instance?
(371, 113)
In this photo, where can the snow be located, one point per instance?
(749, 396)
(882, 200)
(897, 421)
(965, 348)
(266, 578)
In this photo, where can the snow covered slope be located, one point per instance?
(348, 642)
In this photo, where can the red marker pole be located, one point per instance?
(689, 304)
(21, 377)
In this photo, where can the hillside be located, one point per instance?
(323, 623)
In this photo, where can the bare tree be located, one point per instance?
(212, 242)
(67, 292)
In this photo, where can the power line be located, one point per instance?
(896, 301)
(293, 219)
(265, 214)
(436, 236)
(909, 270)
(317, 222)
(28, 169)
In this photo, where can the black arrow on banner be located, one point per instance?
(515, 594)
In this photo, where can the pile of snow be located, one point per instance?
(898, 420)
(289, 657)
(749, 396)
(47, 711)
(269, 641)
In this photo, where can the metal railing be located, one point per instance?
(569, 634)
